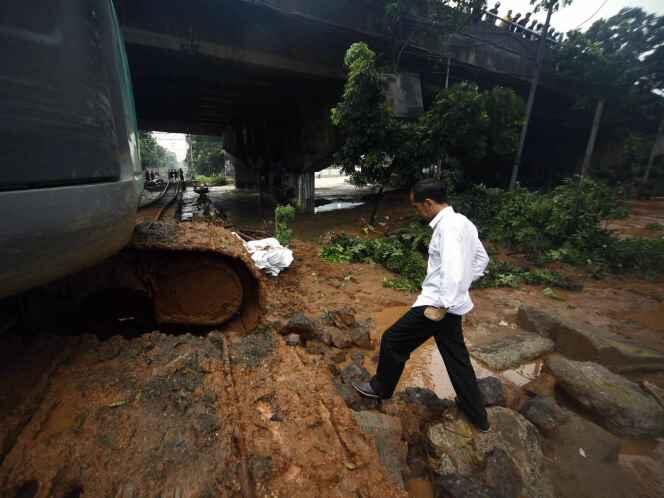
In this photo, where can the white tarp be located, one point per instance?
(269, 255)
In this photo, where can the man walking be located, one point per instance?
(456, 259)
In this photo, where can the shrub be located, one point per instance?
(283, 219)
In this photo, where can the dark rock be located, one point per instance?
(28, 489)
(293, 340)
(458, 486)
(655, 391)
(457, 449)
(545, 413)
(535, 320)
(301, 325)
(583, 342)
(361, 337)
(507, 352)
(418, 465)
(502, 474)
(425, 398)
(342, 318)
(340, 339)
(386, 432)
(492, 391)
(617, 403)
(357, 357)
(354, 373)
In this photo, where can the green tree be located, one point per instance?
(208, 155)
(153, 155)
(372, 137)
(618, 63)
(378, 149)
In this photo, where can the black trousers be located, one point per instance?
(409, 333)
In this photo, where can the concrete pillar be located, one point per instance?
(306, 187)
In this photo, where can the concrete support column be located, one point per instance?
(306, 187)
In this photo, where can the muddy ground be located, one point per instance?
(192, 415)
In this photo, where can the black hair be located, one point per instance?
(430, 189)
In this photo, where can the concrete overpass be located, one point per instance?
(265, 73)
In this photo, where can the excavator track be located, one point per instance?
(171, 274)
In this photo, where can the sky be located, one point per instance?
(175, 142)
(579, 13)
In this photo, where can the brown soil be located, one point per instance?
(646, 219)
(239, 414)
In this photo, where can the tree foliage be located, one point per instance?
(464, 124)
(208, 155)
(153, 155)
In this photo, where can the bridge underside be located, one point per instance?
(266, 80)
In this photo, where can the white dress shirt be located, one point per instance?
(456, 259)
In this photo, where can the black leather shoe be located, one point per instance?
(365, 389)
(484, 428)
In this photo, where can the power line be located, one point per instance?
(591, 17)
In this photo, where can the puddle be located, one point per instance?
(335, 205)
(520, 376)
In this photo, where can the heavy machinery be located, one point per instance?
(71, 178)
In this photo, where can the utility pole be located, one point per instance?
(599, 110)
(531, 96)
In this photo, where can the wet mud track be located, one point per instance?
(180, 415)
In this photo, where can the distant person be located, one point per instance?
(507, 22)
(147, 175)
(478, 8)
(522, 24)
(514, 26)
(539, 31)
(533, 25)
(493, 17)
(181, 175)
(456, 259)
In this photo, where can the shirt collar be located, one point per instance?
(440, 216)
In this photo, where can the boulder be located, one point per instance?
(511, 351)
(339, 338)
(425, 398)
(458, 486)
(583, 342)
(386, 432)
(342, 318)
(457, 450)
(655, 391)
(492, 391)
(617, 404)
(502, 475)
(360, 336)
(545, 413)
(300, 324)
